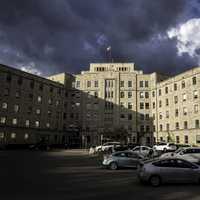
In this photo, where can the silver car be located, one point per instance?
(122, 159)
(191, 154)
(169, 170)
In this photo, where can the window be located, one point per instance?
(20, 81)
(50, 101)
(196, 108)
(122, 116)
(177, 139)
(32, 84)
(160, 115)
(30, 96)
(141, 105)
(130, 105)
(146, 84)
(160, 103)
(1, 135)
(176, 112)
(184, 97)
(121, 104)
(186, 139)
(121, 94)
(196, 123)
(6, 91)
(48, 125)
(175, 99)
(142, 128)
(167, 127)
(37, 124)
(57, 102)
(26, 136)
(96, 94)
(183, 84)
(146, 105)
(167, 102)
(185, 111)
(177, 125)
(141, 84)
(129, 83)
(147, 130)
(41, 87)
(166, 90)
(27, 123)
(175, 86)
(39, 99)
(17, 94)
(195, 94)
(161, 127)
(185, 124)
(121, 83)
(142, 117)
(96, 84)
(146, 95)
(154, 105)
(194, 80)
(3, 120)
(4, 105)
(147, 116)
(38, 111)
(153, 94)
(16, 108)
(78, 84)
(141, 95)
(13, 135)
(167, 114)
(159, 92)
(8, 78)
(129, 94)
(14, 121)
(129, 116)
(88, 84)
(51, 89)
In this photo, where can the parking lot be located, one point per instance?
(72, 174)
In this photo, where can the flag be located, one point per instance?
(108, 48)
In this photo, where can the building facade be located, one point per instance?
(83, 109)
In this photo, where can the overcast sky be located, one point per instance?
(52, 36)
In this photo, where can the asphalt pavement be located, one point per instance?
(73, 175)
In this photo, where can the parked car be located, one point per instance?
(107, 146)
(169, 170)
(178, 146)
(121, 148)
(122, 159)
(144, 150)
(165, 147)
(191, 154)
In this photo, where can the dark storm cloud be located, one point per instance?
(66, 35)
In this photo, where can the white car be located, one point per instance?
(144, 150)
(165, 147)
(191, 154)
(107, 146)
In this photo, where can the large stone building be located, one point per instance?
(31, 108)
(87, 107)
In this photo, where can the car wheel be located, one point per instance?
(155, 181)
(113, 166)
